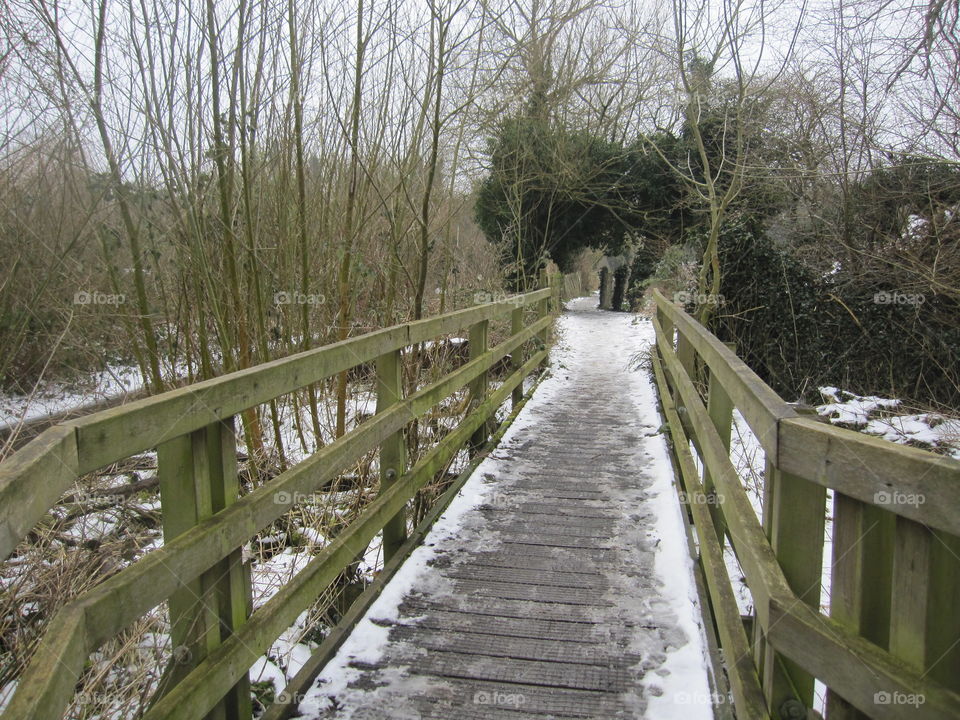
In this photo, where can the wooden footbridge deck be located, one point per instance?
(559, 582)
(542, 598)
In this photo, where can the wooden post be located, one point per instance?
(393, 462)
(860, 585)
(720, 409)
(795, 527)
(924, 623)
(543, 309)
(516, 326)
(478, 387)
(687, 356)
(198, 477)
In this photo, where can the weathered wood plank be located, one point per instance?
(910, 482)
(478, 387)
(393, 460)
(924, 623)
(744, 682)
(114, 434)
(796, 526)
(860, 586)
(760, 406)
(32, 480)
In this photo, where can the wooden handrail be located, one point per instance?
(38, 474)
(793, 642)
(33, 478)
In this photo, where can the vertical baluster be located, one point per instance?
(198, 477)
(860, 584)
(516, 326)
(795, 527)
(720, 409)
(393, 449)
(478, 387)
(924, 623)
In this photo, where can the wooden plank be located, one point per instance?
(41, 696)
(516, 325)
(32, 480)
(720, 410)
(478, 387)
(856, 668)
(198, 477)
(796, 527)
(114, 434)
(860, 586)
(910, 482)
(393, 461)
(744, 682)
(760, 406)
(924, 623)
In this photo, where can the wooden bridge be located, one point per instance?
(568, 579)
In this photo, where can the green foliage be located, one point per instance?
(852, 328)
(552, 192)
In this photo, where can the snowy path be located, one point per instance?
(558, 584)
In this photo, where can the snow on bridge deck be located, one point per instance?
(558, 584)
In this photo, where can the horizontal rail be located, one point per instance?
(86, 622)
(34, 478)
(760, 406)
(868, 468)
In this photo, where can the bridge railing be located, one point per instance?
(890, 647)
(199, 571)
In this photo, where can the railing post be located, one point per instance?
(516, 326)
(393, 449)
(924, 623)
(720, 410)
(198, 477)
(543, 309)
(794, 522)
(861, 577)
(478, 387)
